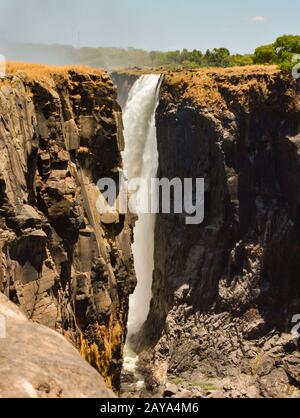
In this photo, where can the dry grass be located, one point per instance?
(209, 70)
(203, 86)
(46, 72)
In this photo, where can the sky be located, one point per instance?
(150, 24)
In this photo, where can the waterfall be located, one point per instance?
(141, 161)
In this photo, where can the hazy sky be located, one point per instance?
(150, 24)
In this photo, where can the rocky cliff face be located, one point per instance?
(225, 291)
(124, 82)
(62, 263)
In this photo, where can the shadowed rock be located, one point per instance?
(225, 291)
(60, 261)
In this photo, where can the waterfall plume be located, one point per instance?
(141, 161)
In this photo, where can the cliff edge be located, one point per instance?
(225, 292)
(63, 264)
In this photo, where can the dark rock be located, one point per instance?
(292, 367)
(170, 390)
(58, 136)
(231, 283)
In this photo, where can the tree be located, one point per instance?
(265, 54)
(153, 55)
(240, 60)
(196, 57)
(218, 57)
(287, 43)
(281, 52)
(184, 56)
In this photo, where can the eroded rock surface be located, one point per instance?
(63, 264)
(37, 362)
(124, 82)
(225, 292)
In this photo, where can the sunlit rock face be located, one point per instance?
(64, 265)
(37, 362)
(225, 292)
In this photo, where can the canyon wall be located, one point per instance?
(225, 292)
(124, 81)
(62, 263)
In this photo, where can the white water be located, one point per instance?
(141, 160)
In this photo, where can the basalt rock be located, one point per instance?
(225, 291)
(124, 82)
(60, 261)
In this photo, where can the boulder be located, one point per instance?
(36, 362)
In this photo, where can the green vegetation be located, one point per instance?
(282, 52)
(206, 386)
(218, 57)
(131, 57)
(175, 380)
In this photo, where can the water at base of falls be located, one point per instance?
(132, 381)
(141, 161)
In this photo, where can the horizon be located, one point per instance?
(128, 48)
(148, 25)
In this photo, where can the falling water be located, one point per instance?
(141, 161)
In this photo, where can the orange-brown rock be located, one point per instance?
(60, 131)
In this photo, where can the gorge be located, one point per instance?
(212, 312)
(224, 293)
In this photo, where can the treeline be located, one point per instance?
(217, 57)
(284, 52)
(114, 58)
(281, 52)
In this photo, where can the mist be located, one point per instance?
(55, 31)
